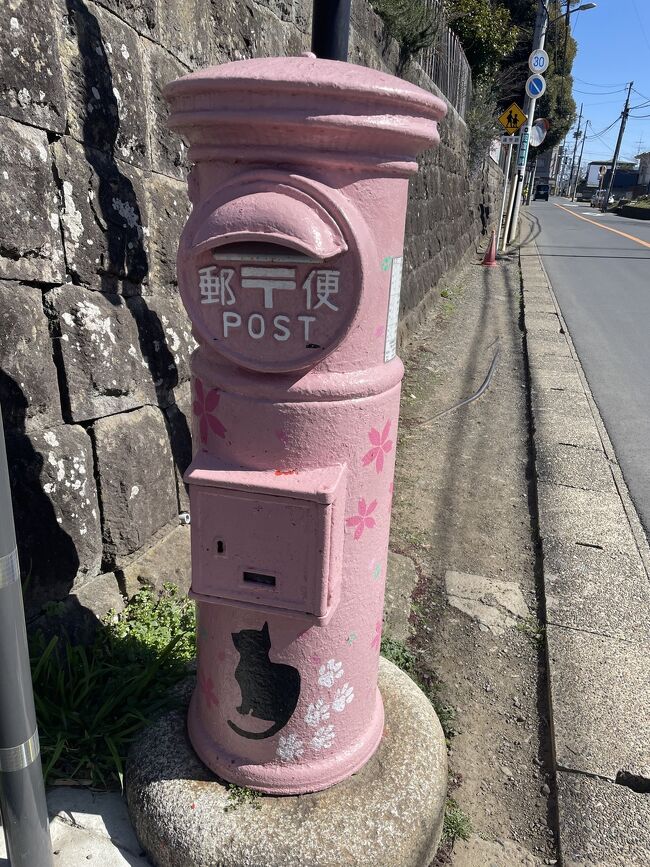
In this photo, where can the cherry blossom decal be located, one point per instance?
(363, 519)
(381, 445)
(376, 641)
(207, 690)
(204, 407)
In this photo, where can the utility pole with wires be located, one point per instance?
(575, 149)
(582, 150)
(619, 140)
(539, 38)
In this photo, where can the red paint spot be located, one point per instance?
(285, 472)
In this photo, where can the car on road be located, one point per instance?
(598, 198)
(541, 192)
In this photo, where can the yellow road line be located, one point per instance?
(608, 228)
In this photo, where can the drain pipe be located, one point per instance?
(22, 793)
(330, 29)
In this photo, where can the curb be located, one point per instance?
(596, 563)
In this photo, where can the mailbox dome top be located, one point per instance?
(281, 75)
(281, 109)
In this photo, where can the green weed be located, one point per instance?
(240, 796)
(91, 702)
(532, 628)
(456, 824)
(399, 654)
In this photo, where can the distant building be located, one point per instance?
(644, 169)
(600, 169)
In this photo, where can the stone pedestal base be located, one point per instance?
(389, 814)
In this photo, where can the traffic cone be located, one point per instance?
(490, 258)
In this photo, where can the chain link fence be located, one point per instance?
(445, 63)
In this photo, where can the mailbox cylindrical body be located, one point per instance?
(290, 269)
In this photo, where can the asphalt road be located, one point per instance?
(602, 282)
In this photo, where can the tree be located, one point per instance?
(486, 33)
(557, 105)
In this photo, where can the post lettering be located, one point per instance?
(230, 320)
(282, 333)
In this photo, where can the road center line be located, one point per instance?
(609, 228)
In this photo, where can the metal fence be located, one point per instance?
(446, 65)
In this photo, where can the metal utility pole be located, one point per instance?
(330, 29)
(582, 150)
(619, 140)
(575, 148)
(22, 793)
(539, 38)
(504, 199)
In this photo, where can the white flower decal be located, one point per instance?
(317, 713)
(324, 738)
(330, 672)
(343, 696)
(289, 748)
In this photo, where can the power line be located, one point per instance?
(645, 35)
(603, 131)
(598, 92)
(621, 85)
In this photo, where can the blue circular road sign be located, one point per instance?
(536, 86)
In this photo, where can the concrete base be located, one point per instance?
(389, 814)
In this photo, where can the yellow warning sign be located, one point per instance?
(512, 119)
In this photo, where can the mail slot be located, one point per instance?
(269, 277)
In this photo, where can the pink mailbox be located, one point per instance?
(290, 269)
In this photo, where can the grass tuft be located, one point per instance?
(402, 656)
(532, 628)
(456, 824)
(91, 702)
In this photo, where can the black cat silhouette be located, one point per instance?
(269, 690)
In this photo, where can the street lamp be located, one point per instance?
(582, 8)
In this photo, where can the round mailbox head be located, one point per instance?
(268, 277)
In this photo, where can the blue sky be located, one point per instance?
(613, 49)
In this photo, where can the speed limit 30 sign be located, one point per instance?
(538, 61)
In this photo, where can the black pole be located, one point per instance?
(22, 793)
(330, 29)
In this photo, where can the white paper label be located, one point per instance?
(390, 348)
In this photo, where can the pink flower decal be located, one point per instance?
(363, 519)
(204, 406)
(381, 445)
(376, 641)
(207, 690)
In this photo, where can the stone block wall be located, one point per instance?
(94, 342)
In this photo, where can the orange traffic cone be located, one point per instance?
(490, 258)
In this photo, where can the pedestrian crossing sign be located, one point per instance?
(512, 119)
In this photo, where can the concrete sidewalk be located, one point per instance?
(597, 596)
(88, 827)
